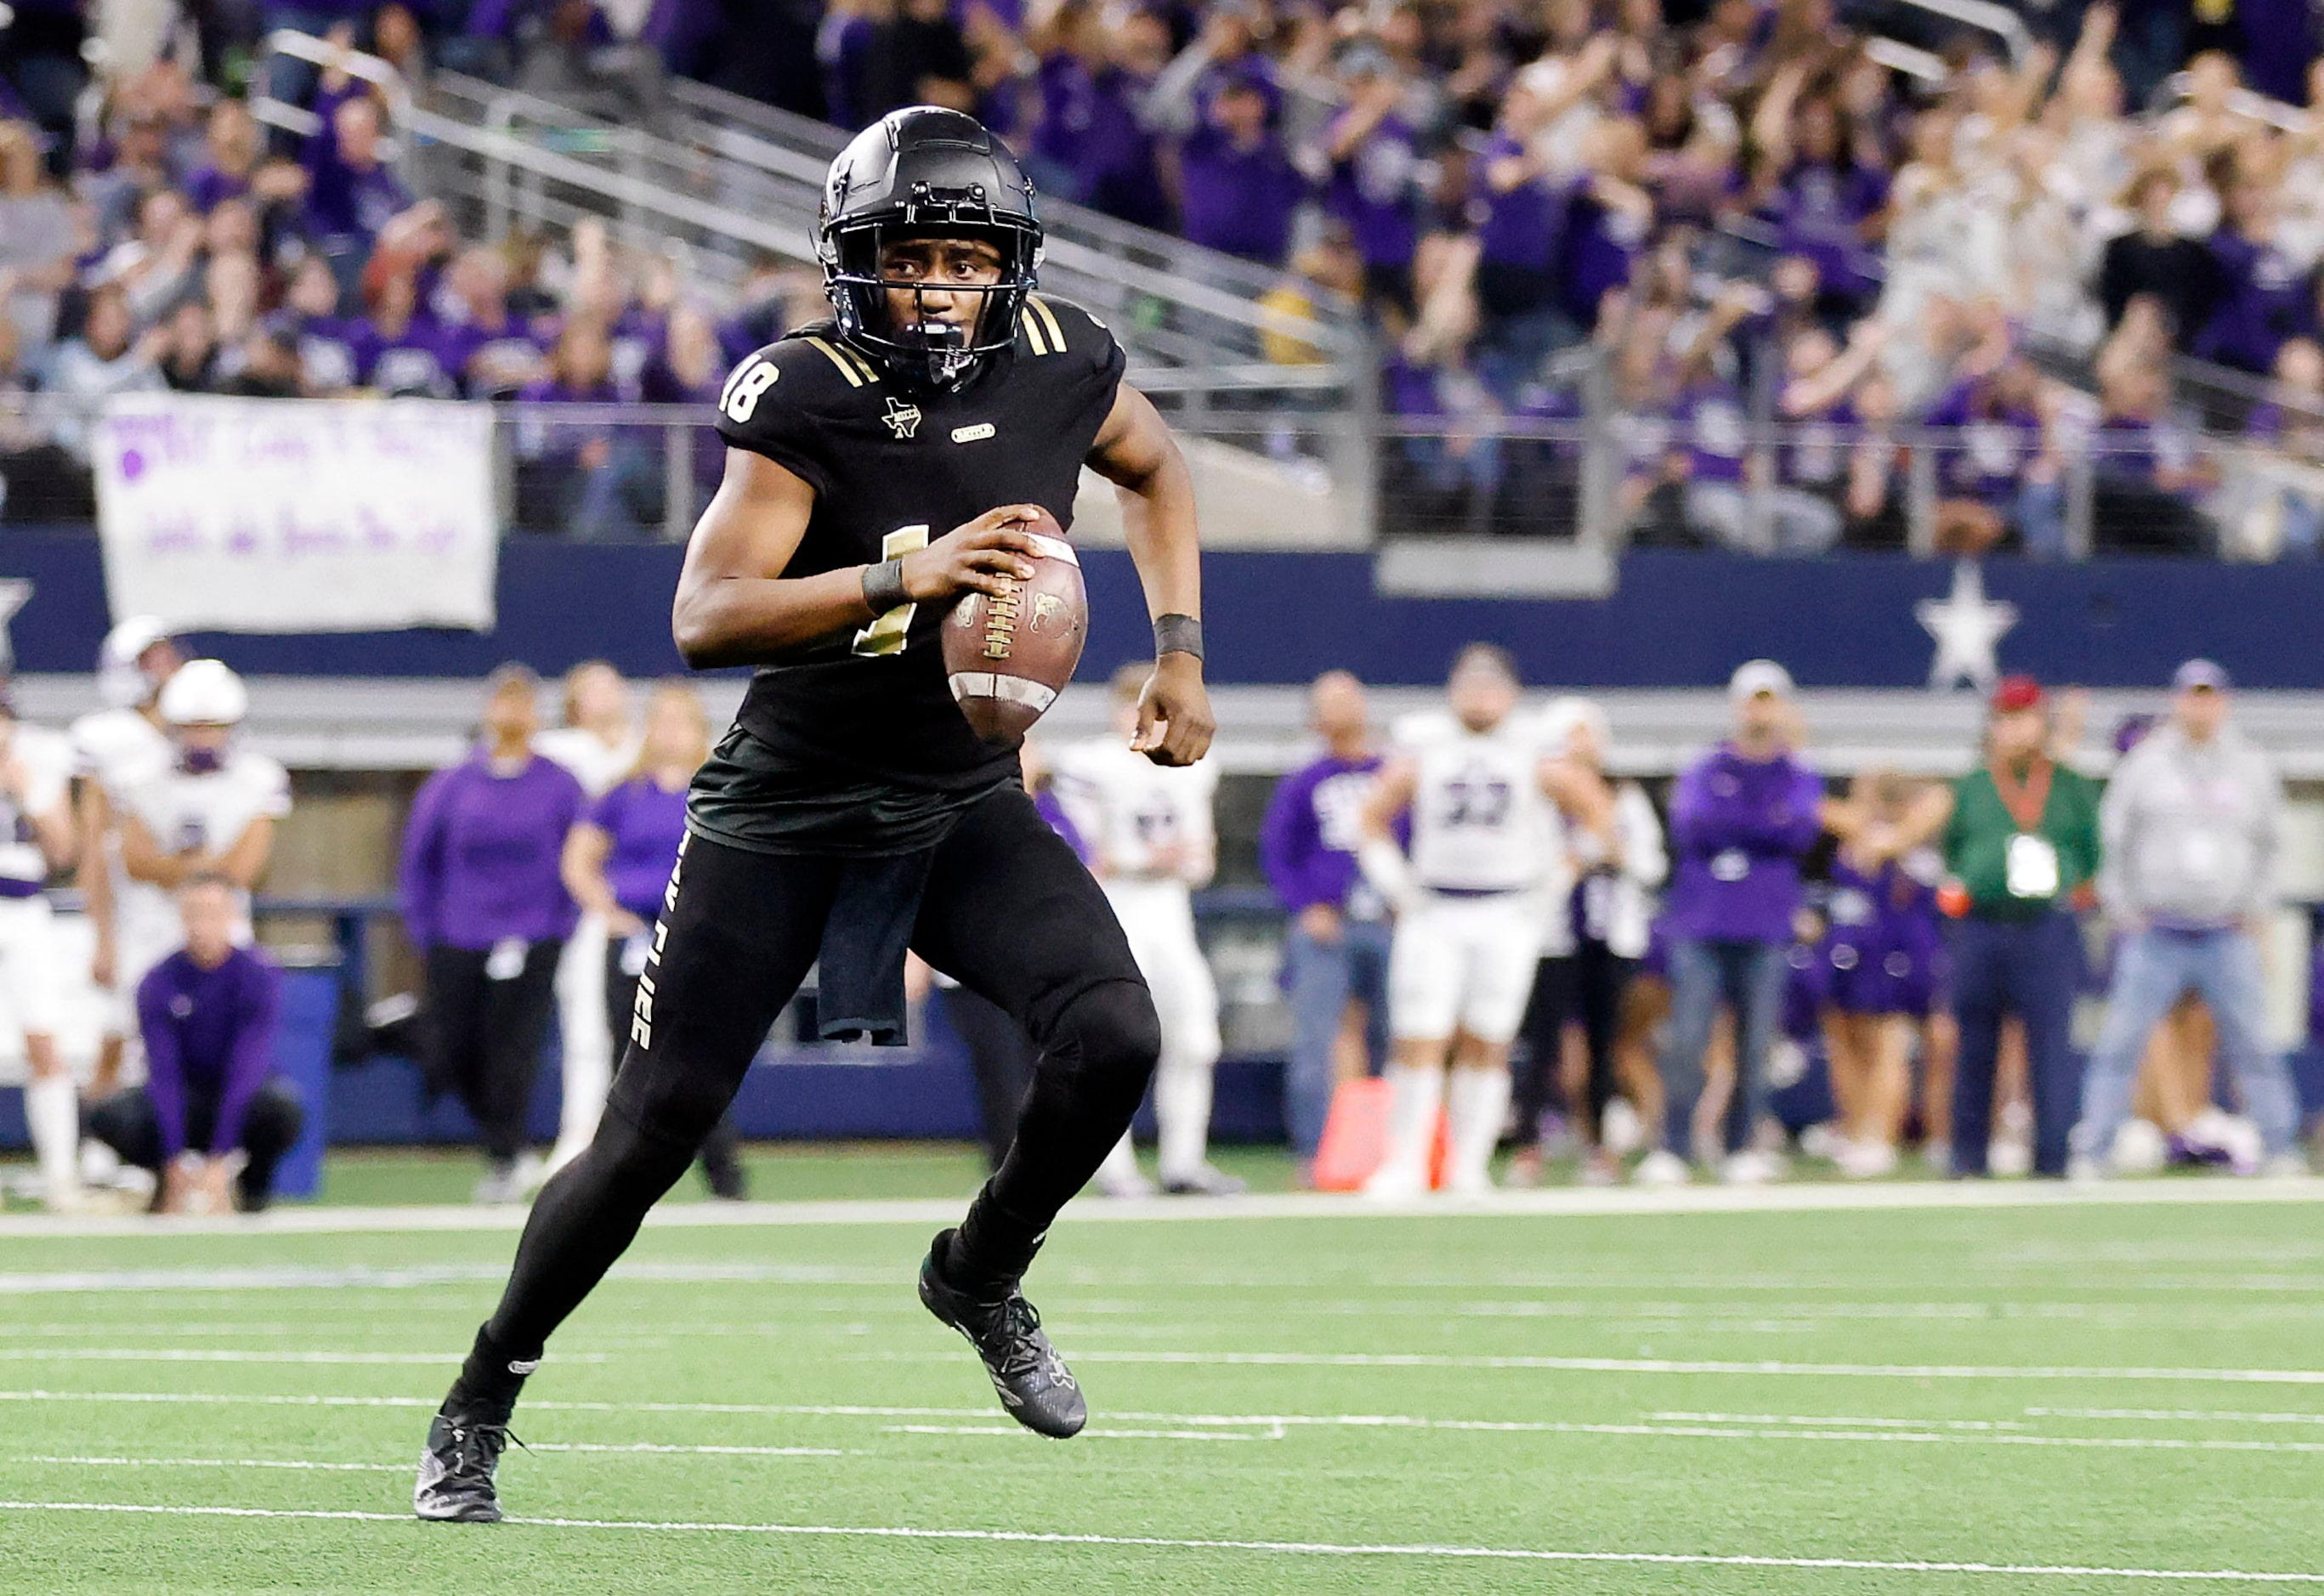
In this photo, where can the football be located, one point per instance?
(1008, 657)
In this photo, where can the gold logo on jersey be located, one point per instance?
(977, 433)
(903, 420)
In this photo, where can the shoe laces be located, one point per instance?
(1016, 1338)
(478, 1447)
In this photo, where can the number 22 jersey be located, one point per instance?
(852, 744)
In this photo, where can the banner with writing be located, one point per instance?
(297, 515)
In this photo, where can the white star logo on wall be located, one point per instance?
(1968, 627)
(14, 593)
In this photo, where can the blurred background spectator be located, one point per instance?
(1335, 957)
(484, 901)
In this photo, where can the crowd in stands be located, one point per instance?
(1750, 212)
(164, 239)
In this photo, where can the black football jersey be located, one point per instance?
(864, 721)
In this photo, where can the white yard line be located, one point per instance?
(219, 1399)
(1850, 1421)
(197, 1281)
(2280, 1377)
(657, 1448)
(2176, 1415)
(1181, 1426)
(218, 1462)
(240, 1355)
(1571, 1201)
(1839, 1430)
(1277, 1548)
(626, 1448)
(194, 1279)
(1088, 1435)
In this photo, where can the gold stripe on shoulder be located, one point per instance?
(1032, 325)
(1049, 320)
(854, 378)
(870, 372)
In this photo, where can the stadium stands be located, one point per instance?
(1770, 281)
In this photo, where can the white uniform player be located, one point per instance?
(1150, 830)
(599, 746)
(1487, 843)
(209, 805)
(35, 828)
(111, 747)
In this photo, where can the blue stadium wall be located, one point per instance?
(1678, 620)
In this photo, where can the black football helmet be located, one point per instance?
(925, 172)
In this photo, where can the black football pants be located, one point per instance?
(1009, 912)
(485, 1035)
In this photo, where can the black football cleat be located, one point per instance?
(1035, 1385)
(456, 1471)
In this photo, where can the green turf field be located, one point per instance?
(2075, 1395)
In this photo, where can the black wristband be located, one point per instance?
(1177, 634)
(883, 586)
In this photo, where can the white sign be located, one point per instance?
(297, 515)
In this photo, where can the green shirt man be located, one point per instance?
(2022, 837)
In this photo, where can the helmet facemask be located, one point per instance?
(918, 342)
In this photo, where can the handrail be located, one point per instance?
(2242, 102)
(1064, 251)
(826, 141)
(373, 70)
(1996, 19)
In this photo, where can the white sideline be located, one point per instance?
(1566, 1202)
(1286, 1548)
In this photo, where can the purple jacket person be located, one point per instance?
(1741, 819)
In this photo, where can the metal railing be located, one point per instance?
(750, 132)
(1292, 465)
(730, 191)
(1929, 23)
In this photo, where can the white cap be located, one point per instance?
(1563, 714)
(120, 680)
(1754, 676)
(205, 693)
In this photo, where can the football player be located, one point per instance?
(110, 747)
(209, 807)
(880, 465)
(1156, 840)
(36, 837)
(1489, 813)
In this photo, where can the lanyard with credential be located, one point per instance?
(2029, 862)
(2025, 800)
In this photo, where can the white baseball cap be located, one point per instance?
(1559, 721)
(120, 680)
(1754, 676)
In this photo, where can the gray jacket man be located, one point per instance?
(2190, 827)
(2190, 823)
